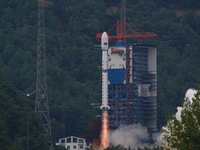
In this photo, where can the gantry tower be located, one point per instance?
(42, 104)
(132, 76)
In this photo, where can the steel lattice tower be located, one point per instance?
(123, 16)
(42, 104)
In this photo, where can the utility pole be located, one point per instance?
(28, 120)
(42, 104)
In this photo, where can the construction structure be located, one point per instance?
(41, 103)
(132, 77)
(144, 83)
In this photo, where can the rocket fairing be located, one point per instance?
(104, 41)
(104, 47)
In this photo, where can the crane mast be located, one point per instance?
(121, 28)
(42, 104)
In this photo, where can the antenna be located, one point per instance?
(42, 104)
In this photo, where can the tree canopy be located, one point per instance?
(20, 126)
(184, 133)
(74, 77)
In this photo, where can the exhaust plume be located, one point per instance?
(104, 130)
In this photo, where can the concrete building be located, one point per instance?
(74, 143)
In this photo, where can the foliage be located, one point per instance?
(74, 80)
(59, 148)
(184, 134)
(17, 122)
(155, 148)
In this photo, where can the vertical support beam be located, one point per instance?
(123, 11)
(42, 104)
(129, 85)
(121, 27)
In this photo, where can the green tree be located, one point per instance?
(17, 128)
(184, 133)
(74, 80)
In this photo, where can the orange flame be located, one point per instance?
(104, 130)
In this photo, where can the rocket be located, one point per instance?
(104, 47)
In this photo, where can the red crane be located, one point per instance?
(121, 26)
(121, 33)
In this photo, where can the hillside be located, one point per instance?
(74, 77)
(20, 127)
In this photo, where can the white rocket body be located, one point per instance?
(104, 47)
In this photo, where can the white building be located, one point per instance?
(74, 143)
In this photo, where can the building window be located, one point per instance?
(68, 140)
(81, 146)
(74, 147)
(63, 141)
(74, 140)
(68, 147)
(81, 141)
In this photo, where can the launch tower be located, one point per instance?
(132, 85)
(132, 78)
(144, 84)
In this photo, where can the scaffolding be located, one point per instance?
(118, 104)
(120, 97)
(134, 100)
(145, 86)
(129, 86)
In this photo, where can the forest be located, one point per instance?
(73, 61)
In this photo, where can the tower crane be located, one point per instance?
(121, 29)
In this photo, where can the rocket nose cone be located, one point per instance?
(104, 41)
(104, 35)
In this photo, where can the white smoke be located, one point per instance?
(189, 95)
(132, 136)
(178, 113)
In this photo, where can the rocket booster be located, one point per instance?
(104, 47)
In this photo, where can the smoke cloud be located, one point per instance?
(133, 136)
(190, 95)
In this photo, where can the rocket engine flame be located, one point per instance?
(104, 130)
